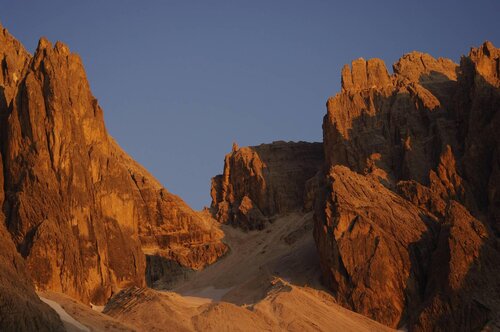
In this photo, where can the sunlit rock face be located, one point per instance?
(408, 219)
(260, 182)
(80, 211)
(20, 307)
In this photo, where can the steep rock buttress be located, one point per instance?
(261, 182)
(80, 211)
(407, 222)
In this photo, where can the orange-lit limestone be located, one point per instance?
(80, 211)
(262, 182)
(413, 179)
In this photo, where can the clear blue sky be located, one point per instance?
(179, 81)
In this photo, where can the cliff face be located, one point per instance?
(262, 181)
(405, 191)
(20, 307)
(406, 230)
(80, 211)
(478, 108)
(393, 126)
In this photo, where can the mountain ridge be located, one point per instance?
(79, 209)
(398, 209)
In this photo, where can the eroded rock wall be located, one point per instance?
(20, 307)
(80, 211)
(260, 182)
(407, 222)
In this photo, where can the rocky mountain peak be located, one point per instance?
(487, 62)
(427, 142)
(261, 182)
(14, 60)
(421, 67)
(364, 75)
(82, 213)
(43, 44)
(403, 192)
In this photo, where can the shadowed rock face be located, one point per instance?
(395, 127)
(80, 211)
(20, 307)
(478, 108)
(405, 228)
(262, 181)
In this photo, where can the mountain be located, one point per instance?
(20, 307)
(80, 211)
(261, 182)
(406, 219)
(395, 215)
(407, 225)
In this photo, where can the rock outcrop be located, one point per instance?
(80, 211)
(260, 182)
(364, 245)
(14, 60)
(405, 191)
(395, 127)
(407, 222)
(478, 116)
